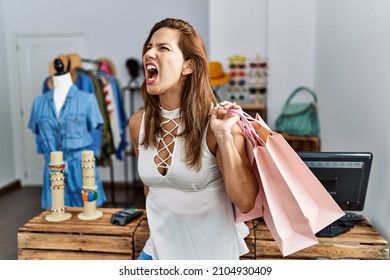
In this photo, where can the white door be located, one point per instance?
(35, 52)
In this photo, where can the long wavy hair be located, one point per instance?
(196, 98)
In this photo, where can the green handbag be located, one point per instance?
(299, 118)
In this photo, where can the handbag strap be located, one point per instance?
(300, 89)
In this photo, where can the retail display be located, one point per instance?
(57, 187)
(257, 80)
(248, 80)
(89, 191)
(237, 90)
(71, 129)
(98, 77)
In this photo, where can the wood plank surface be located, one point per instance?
(101, 226)
(141, 235)
(360, 242)
(99, 239)
(75, 242)
(269, 249)
(75, 238)
(360, 233)
(32, 254)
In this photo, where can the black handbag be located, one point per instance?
(299, 118)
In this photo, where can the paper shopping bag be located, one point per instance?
(282, 213)
(257, 210)
(295, 204)
(317, 204)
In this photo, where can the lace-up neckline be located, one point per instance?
(169, 129)
(173, 114)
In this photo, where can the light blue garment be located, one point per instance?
(144, 257)
(70, 133)
(84, 83)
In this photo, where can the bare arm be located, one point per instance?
(241, 183)
(134, 128)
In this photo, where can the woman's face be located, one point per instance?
(164, 63)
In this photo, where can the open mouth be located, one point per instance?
(151, 73)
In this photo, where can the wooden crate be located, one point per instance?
(303, 143)
(77, 239)
(361, 242)
(141, 235)
(250, 242)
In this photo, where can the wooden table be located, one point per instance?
(303, 143)
(76, 239)
(362, 242)
(98, 239)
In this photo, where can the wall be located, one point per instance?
(280, 31)
(291, 33)
(237, 29)
(7, 173)
(115, 29)
(352, 69)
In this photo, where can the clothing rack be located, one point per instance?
(132, 87)
(88, 60)
(111, 167)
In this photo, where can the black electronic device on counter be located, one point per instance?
(345, 176)
(123, 217)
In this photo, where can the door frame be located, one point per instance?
(28, 67)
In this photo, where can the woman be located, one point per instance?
(191, 153)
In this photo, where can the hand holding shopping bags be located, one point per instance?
(295, 204)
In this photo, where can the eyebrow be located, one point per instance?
(161, 44)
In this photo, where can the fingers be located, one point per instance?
(228, 105)
(220, 111)
(214, 113)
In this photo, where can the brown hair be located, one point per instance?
(196, 99)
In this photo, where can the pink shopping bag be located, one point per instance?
(316, 203)
(295, 203)
(257, 211)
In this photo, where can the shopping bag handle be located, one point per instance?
(248, 129)
(257, 137)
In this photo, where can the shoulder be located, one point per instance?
(135, 123)
(136, 118)
(211, 141)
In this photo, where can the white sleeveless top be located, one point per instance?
(189, 213)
